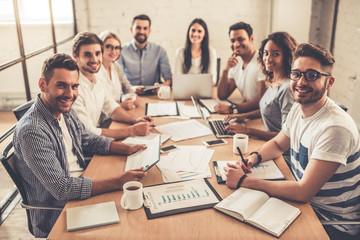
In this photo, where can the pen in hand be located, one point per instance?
(242, 158)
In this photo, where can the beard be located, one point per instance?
(316, 96)
(139, 40)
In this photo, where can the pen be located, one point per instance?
(242, 158)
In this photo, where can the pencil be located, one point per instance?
(242, 158)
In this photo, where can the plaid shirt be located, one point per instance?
(41, 161)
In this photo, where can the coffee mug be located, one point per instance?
(240, 140)
(132, 198)
(164, 92)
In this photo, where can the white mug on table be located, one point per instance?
(132, 198)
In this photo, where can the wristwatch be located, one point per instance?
(233, 108)
(258, 155)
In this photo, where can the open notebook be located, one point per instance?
(258, 209)
(94, 215)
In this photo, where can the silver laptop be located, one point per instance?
(197, 85)
(217, 126)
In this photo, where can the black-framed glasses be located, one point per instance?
(111, 47)
(310, 75)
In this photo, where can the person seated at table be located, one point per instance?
(196, 56)
(143, 62)
(242, 71)
(94, 98)
(275, 58)
(112, 73)
(48, 145)
(324, 142)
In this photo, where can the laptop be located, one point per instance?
(217, 126)
(197, 85)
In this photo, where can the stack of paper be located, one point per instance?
(190, 111)
(189, 162)
(184, 130)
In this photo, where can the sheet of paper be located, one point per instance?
(264, 170)
(189, 111)
(182, 130)
(211, 103)
(170, 175)
(145, 157)
(179, 195)
(145, 139)
(187, 158)
(162, 109)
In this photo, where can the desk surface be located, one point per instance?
(204, 224)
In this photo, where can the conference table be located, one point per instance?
(203, 224)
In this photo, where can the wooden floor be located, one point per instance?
(15, 225)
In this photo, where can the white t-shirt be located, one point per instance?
(328, 135)
(74, 166)
(195, 63)
(93, 100)
(246, 79)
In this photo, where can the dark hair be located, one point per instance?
(141, 17)
(287, 44)
(85, 38)
(241, 25)
(205, 53)
(316, 51)
(59, 60)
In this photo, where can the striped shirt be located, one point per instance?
(329, 135)
(40, 158)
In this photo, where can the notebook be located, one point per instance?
(265, 170)
(258, 209)
(217, 126)
(197, 85)
(89, 216)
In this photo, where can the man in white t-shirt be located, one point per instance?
(324, 143)
(242, 71)
(94, 98)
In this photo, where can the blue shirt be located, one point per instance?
(143, 67)
(40, 158)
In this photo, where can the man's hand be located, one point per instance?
(232, 61)
(233, 174)
(237, 128)
(128, 149)
(139, 90)
(223, 109)
(237, 117)
(132, 175)
(142, 128)
(128, 104)
(144, 119)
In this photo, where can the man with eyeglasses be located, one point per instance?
(94, 98)
(144, 61)
(324, 142)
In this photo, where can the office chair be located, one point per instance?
(342, 106)
(8, 161)
(218, 63)
(22, 109)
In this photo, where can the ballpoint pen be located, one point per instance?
(242, 158)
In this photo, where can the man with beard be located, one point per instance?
(144, 61)
(48, 145)
(242, 71)
(324, 143)
(94, 100)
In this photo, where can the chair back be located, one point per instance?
(22, 109)
(8, 160)
(218, 63)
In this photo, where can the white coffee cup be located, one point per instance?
(132, 198)
(240, 140)
(164, 92)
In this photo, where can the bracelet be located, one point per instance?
(258, 155)
(241, 180)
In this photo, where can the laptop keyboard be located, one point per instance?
(219, 127)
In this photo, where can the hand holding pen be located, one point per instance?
(246, 168)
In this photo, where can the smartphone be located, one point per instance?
(168, 149)
(214, 142)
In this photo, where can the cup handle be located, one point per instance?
(123, 202)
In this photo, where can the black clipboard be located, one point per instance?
(219, 178)
(177, 111)
(150, 215)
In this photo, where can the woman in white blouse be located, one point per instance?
(197, 56)
(112, 74)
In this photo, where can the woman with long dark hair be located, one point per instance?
(197, 56)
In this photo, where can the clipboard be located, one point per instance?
(196, 196)
(219, 178)
(163, 115)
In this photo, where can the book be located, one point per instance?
(258, 209)
(93, 215)
(266, 170)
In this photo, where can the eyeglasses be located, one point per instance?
(309, 75)
(111, 47)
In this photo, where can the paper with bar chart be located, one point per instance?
(173, 198)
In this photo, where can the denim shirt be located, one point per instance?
(40, 158)
(143, 67)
